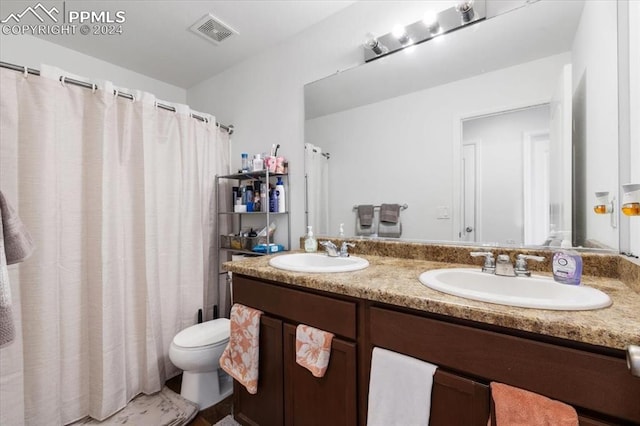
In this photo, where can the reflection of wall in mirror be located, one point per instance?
(634, 74)
(400, 150)
(595, 77)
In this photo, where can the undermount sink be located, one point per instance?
(316, 262)
(526, 292)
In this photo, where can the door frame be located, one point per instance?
(528, 139)
(477, 214)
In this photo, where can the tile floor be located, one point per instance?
(208, 416)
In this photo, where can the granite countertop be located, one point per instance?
(394, 281)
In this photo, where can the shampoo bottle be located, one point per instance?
(282, 206)
(310, 242)
(567, 265)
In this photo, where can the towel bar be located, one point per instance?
(402, 207)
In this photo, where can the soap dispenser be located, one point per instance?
(310, 242)
(567, 265)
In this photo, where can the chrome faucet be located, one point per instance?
(521, 269)
(504, 267)
(344, 249)
(330, 248)
(489, 262)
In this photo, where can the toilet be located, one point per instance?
(196, 350)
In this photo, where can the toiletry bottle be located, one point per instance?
(245, 162)
(282, 205)
(341, 231)
(273, 201)
(567, 265)
(264, 195)
(258, 163)
(310, 242)
(234, 195)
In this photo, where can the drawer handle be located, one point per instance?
(633, 359)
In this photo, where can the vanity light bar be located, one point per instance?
(446, 21)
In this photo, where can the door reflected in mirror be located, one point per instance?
(511, 205)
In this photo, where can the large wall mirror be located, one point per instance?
(499, 133)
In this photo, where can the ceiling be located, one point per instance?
(156, 40)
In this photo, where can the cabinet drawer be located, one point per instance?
(580, 378)
(325, 313)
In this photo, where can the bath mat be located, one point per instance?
(227, 421)
(164, 408)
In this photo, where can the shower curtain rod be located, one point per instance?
(34, 71)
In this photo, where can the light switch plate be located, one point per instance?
(443, 212)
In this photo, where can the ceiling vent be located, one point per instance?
(212, 29)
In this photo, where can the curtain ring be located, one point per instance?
(94, 87)
(116, 93)
(62, 78)
(26, 72)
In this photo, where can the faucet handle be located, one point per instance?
(330, 248)
(489, 262)
(530, 257)
(344, 249)
(521, 264)
(481, 253)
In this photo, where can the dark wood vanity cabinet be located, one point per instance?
(470, 355)
(289, 394)
(458, 401)
(598, 385)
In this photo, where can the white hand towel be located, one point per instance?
(399, 390)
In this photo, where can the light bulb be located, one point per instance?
(465, 8)
(400, 33)
(429, 19)
(373, 44)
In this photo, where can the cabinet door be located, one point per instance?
(265, 407)
(456, 400)
(329, 400)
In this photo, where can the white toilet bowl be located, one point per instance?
(196, 350)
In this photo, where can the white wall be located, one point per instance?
(410, 144)
(263, 96)
(595, 56)
(32, 51)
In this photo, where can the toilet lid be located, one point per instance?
(203, 334)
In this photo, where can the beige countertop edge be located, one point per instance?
(395, 282)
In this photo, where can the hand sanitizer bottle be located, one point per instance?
(310, 242)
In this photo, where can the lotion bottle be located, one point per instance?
(567, 265)
(310, 242)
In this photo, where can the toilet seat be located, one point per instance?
(203, 335)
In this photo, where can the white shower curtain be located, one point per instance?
(117, 197)
(317, 189)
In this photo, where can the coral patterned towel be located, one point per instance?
(515, 407)
(313, 349)
(240, 357)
